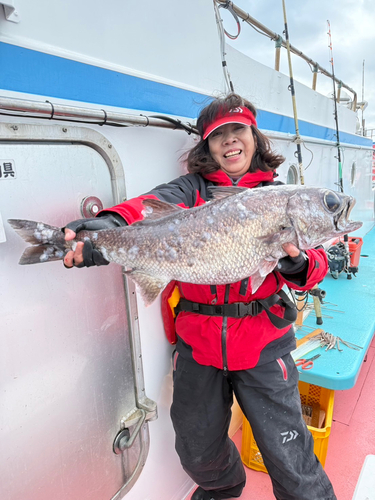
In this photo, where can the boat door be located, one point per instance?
(74, 411)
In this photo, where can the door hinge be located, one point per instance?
(10, 11)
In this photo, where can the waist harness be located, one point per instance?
(240, 309)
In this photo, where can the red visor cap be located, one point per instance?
(236, 115)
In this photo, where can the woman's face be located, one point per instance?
(232, 146)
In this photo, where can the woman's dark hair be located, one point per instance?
(199, 159)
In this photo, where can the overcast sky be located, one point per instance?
(353, 40)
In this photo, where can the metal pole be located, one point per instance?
(315, 77)
(62, 112)
(278, 43)
(291, 88)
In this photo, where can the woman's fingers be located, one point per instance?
(74, 258)
(291, 250)
(69, 234)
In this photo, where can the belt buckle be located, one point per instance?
(243, 310)
(254, 308)
(219, 310)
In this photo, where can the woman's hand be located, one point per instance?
(85, 255)
(294, 263)
(73, 258)
(291, 250)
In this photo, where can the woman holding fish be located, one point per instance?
(230, 338)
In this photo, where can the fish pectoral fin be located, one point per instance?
(220, 192)
(256, 281)
(284, 235)
(157, 209)
(266, 267)
(149, 286)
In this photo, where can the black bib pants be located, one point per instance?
(268, 395)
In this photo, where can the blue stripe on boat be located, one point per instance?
(34, 72)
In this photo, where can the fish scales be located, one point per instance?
(186, 247)
(238, 234)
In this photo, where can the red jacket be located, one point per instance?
(245, 337)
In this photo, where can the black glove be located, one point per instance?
(107, 221)
(292, 265)
(92, 256)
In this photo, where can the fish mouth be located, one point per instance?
(343, 225)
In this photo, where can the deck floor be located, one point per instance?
(352, 438)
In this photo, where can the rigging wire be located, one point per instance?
(310, 151)
(228, 6)
(220, 27)
(179, 125)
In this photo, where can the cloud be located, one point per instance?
(353, 40)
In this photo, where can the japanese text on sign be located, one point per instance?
(7, 169)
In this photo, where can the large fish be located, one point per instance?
(238, 234)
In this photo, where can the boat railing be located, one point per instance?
(280, 42)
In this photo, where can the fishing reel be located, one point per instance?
(338, 259)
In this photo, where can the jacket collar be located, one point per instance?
(249, 180)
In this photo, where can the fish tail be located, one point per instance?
(48, 242)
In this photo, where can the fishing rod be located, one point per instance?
(291, 88)
(335, 114)
(298, 141)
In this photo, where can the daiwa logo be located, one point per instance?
(236, 110)
(289, 436)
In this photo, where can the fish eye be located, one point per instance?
(332, 201)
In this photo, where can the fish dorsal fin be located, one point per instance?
(220, 192)
(157, 209)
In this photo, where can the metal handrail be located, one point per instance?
(281, 42)
(10, 106)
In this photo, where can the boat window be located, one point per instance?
(292, 176)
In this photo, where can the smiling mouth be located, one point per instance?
(231, 154)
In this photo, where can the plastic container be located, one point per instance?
(309, 393)
(355, 245)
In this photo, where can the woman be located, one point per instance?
(219, 350)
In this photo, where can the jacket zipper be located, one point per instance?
(224, 333)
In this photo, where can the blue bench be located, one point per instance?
(356, 323)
